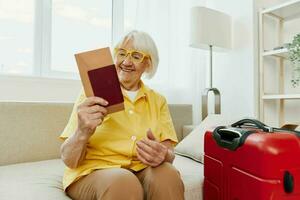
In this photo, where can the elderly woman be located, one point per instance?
(128, 154)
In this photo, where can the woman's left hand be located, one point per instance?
(150, 151)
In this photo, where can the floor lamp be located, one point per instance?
(210, 30)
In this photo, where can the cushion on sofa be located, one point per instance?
(192, 146)
(192, 177)
(43, 180)
(33, 180)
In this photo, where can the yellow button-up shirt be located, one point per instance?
(114, 142)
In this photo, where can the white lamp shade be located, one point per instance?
(210, 27)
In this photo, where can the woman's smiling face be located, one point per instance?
(129, 72)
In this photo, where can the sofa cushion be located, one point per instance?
(34, 180)
(43, 180)
(192, 146)
(192, 176)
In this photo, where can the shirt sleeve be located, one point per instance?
(73, 120)
(167, 128)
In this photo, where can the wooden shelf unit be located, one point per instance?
(281, 13)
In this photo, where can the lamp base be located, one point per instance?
(217, 95)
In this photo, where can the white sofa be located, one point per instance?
(30, 165)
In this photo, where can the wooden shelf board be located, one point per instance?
(280, 96)
(292, 122)
(283, 53)
(288, 10)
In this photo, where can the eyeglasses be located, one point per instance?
(136, 56)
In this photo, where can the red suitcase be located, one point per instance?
(251, 164)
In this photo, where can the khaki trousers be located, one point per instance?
(159, 183)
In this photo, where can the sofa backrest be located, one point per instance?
(29, 130)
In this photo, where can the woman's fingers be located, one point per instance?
(150, 135)
(145, 155)
(144, 147)
(152, 151)
(153, 144)
(90, 114)
(96, 116)
(92, 109)
(145, 158)
(95, 109)
(90, 101)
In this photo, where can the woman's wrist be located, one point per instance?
(81, 136)
(169, 156)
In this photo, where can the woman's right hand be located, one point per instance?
(90, 114)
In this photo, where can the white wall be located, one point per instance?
(234, 71)
(18, 88)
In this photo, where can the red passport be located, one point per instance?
(99, 77)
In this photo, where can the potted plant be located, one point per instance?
(294, 57)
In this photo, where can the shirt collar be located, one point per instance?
(142, 93)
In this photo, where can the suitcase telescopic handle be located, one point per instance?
(253, 123)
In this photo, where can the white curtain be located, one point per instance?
(181, 71)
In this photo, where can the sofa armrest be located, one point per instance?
(187, 129)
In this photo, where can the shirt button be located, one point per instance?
(133, 138)
(130, 111)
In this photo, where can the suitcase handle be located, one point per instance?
(230, 137)
(253, 123)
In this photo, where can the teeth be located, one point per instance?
(126, 70)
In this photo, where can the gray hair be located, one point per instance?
(143, 42)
